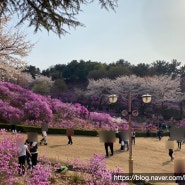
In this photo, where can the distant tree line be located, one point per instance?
(80, 72)
(70, 81)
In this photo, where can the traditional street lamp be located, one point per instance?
(113, 98)
(146, 99)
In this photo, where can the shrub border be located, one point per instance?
(24, 129)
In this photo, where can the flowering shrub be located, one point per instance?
(4, 92)
(8, 156)
(19, 105)
(9, 113)
(40, 175)
(9, 164)
(81, 110)
(95, 170)
(38, 110)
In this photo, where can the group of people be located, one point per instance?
(124, 143)
(28, 152)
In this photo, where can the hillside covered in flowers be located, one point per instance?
(22, 106)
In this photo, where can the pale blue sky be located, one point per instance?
(140, 31)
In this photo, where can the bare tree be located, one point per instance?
(53, 15)
(13, 48)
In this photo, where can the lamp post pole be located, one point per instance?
(130, 135)
(146, 99)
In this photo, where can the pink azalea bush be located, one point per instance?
(9, 113)
(37, 110)
(19, 105)
(9, 159)
(95, 170)
(40, 175)
(9, 164)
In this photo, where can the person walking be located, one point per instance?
(126, 144)
(179, 143)
(121, 141)
(14, 129)
(44, 138)
(133, 137)
(171, 154)
(160, 134)
(117, 132)
(69, 133)
(122, 145)
(109, 145)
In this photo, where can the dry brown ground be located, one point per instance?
(150, 155)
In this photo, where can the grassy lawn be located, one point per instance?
(150, 155)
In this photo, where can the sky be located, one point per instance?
(140, 31)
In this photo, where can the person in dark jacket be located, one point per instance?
(109, 145)
(179, 143)
(171, 154)
(70, 133)
(133, 137)
(34, 152)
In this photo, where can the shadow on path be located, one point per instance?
(176, 150)
(55, 146)
(166, 162)
(120, 151)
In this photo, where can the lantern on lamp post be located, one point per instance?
(113, 98)
(147, 98)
